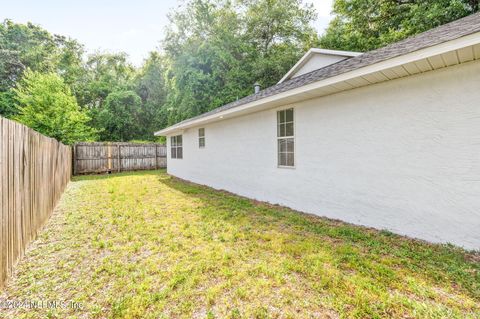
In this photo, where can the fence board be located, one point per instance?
(34, 170)
(116, 157)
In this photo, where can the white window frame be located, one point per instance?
(201, 137)
(174, 146)
(293, 137)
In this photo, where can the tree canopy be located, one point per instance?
(46, 104)
(363, 25)
(216, 50)
(29, 46)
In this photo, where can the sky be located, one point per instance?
(131, 26)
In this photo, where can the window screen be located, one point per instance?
(285, 138)
(176, 150)
(201, 137)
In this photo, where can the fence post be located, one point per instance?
(74, 159)
(119, 158)
(156, 156)
(109, 157)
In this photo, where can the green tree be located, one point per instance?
(25, 46)
(34, 46)
(280, 32)
(216, 50)
(150, 86)
(107, 74)
(104, 74)
(69, 62)
(204, 58)
(90, 79)
(363, 25)
(8, 106)
(47, 105)
(120, 116)
(11, 69)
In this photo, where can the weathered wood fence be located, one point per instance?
(34, 170)
(117, 157)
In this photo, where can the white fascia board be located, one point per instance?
(256, 106)
(335, 52)
(310, 53)
(179, 131)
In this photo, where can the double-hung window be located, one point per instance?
(285, 138)
(176, 150)
(201, 137)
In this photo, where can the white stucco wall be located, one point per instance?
(403, 155)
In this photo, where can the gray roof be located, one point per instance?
(444, 33)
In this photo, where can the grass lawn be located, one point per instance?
(145, 245)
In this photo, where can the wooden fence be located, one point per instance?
(118, 157)
(34, 170)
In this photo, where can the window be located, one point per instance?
(176, 147)
(285, 138)
(201, 137)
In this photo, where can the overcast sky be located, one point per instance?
(131, 26)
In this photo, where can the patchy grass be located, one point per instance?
(145, 245)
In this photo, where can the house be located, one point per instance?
(388, 139)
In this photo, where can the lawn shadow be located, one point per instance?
(101, 176)
(440, 262)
